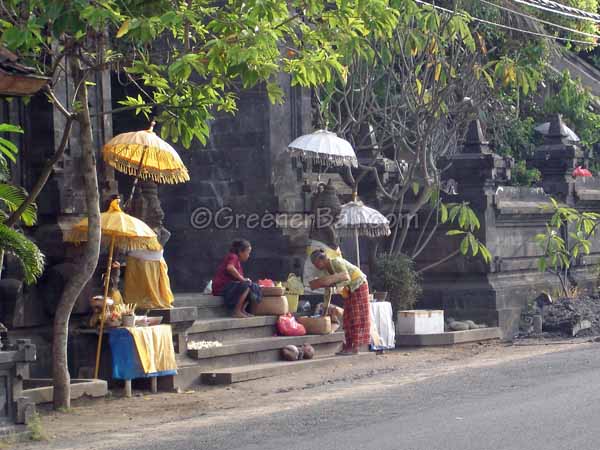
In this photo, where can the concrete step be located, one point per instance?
(231, 375)
(448, 338)
(259, 345)
(228, 329)
(209, 306)
(248, 352)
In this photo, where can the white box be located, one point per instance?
(420, 321)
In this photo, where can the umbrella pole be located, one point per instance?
(357, 248)
(137, 177)
(103, 316)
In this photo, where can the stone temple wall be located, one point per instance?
(240, 180)
(245, 169)
(511, 217)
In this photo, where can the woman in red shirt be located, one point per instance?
(230, 282)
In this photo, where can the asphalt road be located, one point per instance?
(549, 402)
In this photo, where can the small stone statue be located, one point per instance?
(325, 212)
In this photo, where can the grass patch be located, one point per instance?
(36, 429)
(8, 441)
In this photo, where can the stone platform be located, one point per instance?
(448, 338)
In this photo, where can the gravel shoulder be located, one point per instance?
(113, 422)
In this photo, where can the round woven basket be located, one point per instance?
(272, 291)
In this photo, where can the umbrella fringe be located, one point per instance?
(129, 167)
(365, 230)
(326, 160)
(124, 242)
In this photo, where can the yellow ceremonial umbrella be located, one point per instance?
(146, 156)
(118, 230)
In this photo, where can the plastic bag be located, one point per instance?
(288, 326)
(266, 283)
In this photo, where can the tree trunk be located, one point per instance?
(89, 261)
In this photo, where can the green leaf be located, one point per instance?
(473, 220)
(415, 187)
(454, 210)
(542, 265)
(275, 93)
(443, 213)
(123, 29)
(419, 86)
(8, 128)
(26, 252)
(487, 256)
(454, 232)
(462, 218)
(464, 245)
(8, 149)
(12, 197)
(575, 251)
(474, 244)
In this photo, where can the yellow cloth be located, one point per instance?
(331, 253)
(116, 296)
(147, 284)
(155, 347)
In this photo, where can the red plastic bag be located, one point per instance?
(288, 326)
(266, 283)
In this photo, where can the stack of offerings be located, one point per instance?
(321, 322)
(273, 303)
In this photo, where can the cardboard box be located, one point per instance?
(420, 321)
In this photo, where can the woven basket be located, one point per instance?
(272, 291)
(316, 325)
(270, 306)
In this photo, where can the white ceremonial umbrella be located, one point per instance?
(360, 220)
(570, 134)
(324, 147)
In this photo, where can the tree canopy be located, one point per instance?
(189, 59)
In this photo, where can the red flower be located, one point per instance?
(581, 172)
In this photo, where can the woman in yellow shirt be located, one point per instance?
(339, 272)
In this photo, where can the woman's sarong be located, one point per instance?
(357, 319)
(234, 290)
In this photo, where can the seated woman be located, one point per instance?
(355, 290)
(229, 281)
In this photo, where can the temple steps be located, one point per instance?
(230, 329)
(232, 375)
(208, 306)
(250, 348)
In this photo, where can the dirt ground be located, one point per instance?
(91, 420)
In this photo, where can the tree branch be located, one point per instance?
(441, 261)
(64, 111)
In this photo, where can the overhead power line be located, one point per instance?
(506, 27)
(560, 9)
(536, 19)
